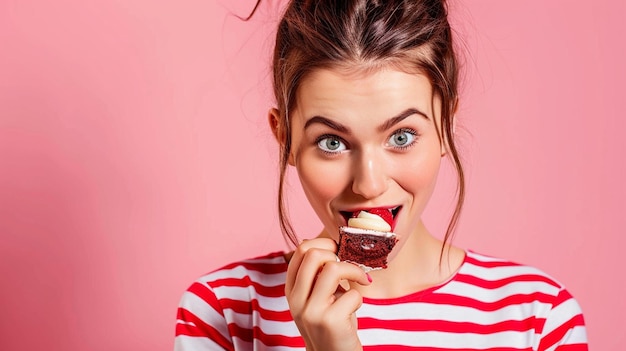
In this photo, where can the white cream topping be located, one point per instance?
(366, 220)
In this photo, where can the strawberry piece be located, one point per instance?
(383, 213)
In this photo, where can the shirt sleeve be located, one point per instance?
(564, 329)
(200, 322)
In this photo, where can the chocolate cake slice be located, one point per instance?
(366, 248)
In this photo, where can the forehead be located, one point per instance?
(366, 91)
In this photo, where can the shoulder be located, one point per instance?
(499, 282)
(258, 267)
(507, 283)
(266, 270)
(235, 285)
(500, 285)
(239, 278)
(494, 271)
(223, 297)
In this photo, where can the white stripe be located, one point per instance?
(180, 321)
(239, 344)
(269, 327)
(484, 258)
(275, 304)
(493, 295)
(446, 340)
(498, 273)
(577, 335)
(204, 312)
(265, 260)
(239, 272)
(426, 311)
(277, 328)
(194, 343)
(258, 345)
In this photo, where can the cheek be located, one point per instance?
(418, 176)
(322, 181)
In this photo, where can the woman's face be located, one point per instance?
(366, 140)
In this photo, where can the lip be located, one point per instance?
(395, 210)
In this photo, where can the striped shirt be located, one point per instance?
(489, 304)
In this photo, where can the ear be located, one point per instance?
(273, 117)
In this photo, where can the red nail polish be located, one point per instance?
(369, 277)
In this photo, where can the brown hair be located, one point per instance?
(362, 34)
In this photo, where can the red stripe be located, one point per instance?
(278, 340)
(249, 335)
(422, 348)
(247, 308)
(456, 300)
(489, 264)
(237, 306)
(206, 294)
(187, 329)
(237, 331)
(517, 299)
(280, 266)
(201, 329)
(278, 316)
(494, 284)
(573, 347)
(559, 333)
(563, 296)
(531, 323)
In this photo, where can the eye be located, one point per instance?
(402, 138)
(331, 144)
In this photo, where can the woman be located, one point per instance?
(366, 93)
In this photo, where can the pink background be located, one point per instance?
(134, 157)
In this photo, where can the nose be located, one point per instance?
(370, 179)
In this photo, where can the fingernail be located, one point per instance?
(369, 277)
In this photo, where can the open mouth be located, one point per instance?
(380, 211)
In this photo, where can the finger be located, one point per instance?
(329, 279)
(298, 256)
(312, 263)
(345, 306)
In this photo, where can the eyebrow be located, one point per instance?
(383, 127)
(330, 123)
(397, 119)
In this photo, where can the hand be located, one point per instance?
(323, 311)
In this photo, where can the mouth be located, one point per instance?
(394, 210)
